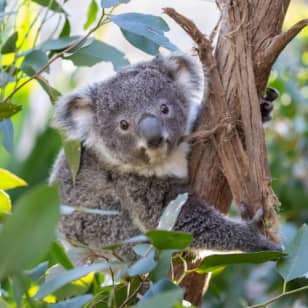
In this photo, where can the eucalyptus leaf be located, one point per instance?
(37, 212)
(5, 78)
(7, 131)
(58, 280)
(110, 3)
(97, 52)
(8, 109)
(162, 268)
(8, 180)
(150, 26)
(66, 29)
(72, 150)
(75, 302)
(171, 212)
(53, 93)
(5, 204)
(295, 264)
(212, 262)
(37, 272)
(141, 42)
(143, 265)
(33, 62)
(157, 288)
(162, 239)
(68, 210)
(51, 4)
(58, 254)
(58, 44)
(10, 44)
(92, 14)
(165, 299)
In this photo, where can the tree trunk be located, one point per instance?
(232, 162)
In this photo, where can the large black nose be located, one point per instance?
(151, 130)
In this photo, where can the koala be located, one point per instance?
(133, 161)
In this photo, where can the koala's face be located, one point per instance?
(136, 119)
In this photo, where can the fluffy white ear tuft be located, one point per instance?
(187, 72)
(74, 115)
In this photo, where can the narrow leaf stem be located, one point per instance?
(279, 297)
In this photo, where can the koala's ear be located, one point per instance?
(74, 115)
(187, 72)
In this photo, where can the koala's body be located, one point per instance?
(133, 161)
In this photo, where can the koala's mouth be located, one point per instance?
(153, 156)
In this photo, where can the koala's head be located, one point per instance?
(135, 120)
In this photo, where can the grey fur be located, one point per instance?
(120, 172)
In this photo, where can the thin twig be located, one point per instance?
(203, 134)
(132, 296)
(278, 297)
(280, 41)
(54, 58)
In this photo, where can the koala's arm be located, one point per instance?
(214, 231)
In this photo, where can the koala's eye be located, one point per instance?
(164, 109)
(124, 125)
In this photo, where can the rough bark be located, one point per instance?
(232, 163)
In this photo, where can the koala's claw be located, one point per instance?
(267, 103)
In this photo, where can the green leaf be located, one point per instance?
(76, 302)
(143, 265)
(36, 215)
(110, 3)
(33, 62)
(9, 180)
(20, 285)
(212, 262)
(53, 93)
(149, 26)
(72, 150)
(171, 212)
(66, 30)
(97, 52)
(157, 288)
(91, 15)
(58, 280)
(162, 239)
(162, 268)
(295, 264)
(58, 44)
(5, 204)
(8, 109)
(10, 44)
(68, 210)
(3, 303)
(5, 78)
(7, 131)
(141, 42)
(165, 299)
(58, 253)
(51, 4)
(37, 272)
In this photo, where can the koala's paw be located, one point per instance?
(258, 241)
(267, 105)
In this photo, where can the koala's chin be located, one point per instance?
(163, 161)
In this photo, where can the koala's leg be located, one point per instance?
(214, 231)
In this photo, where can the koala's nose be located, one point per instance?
(151, 130)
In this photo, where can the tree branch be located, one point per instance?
(277, 44)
